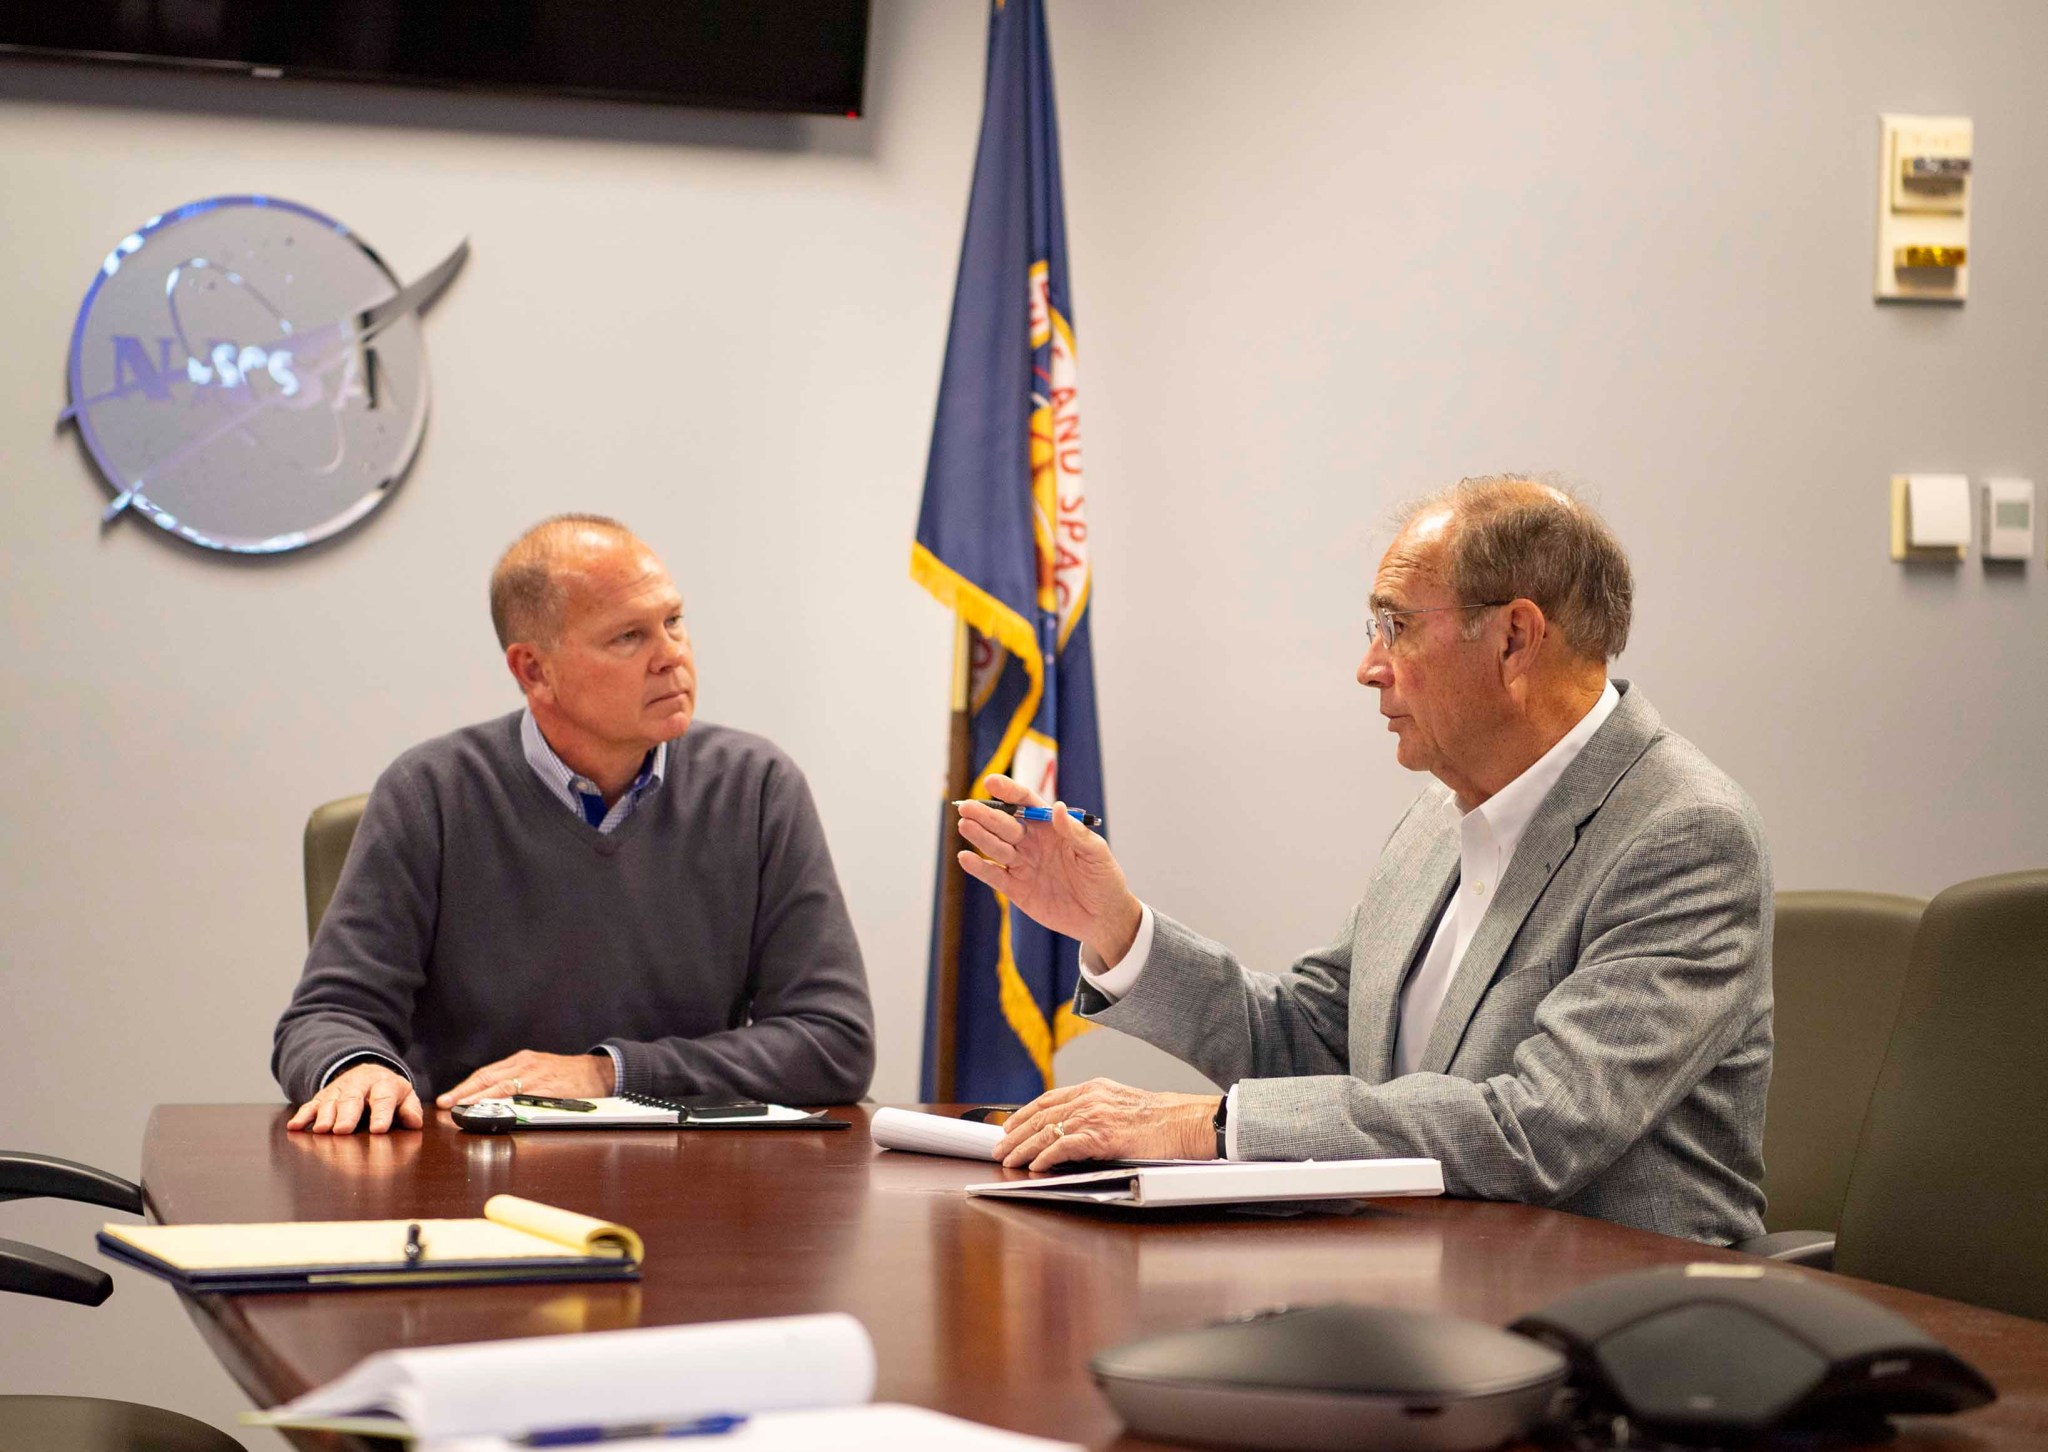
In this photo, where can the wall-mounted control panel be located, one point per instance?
(1923, 208)
(1930, 516)
(2008, 519)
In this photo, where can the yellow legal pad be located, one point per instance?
(517, 1240)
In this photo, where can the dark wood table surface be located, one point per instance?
(988, 1311)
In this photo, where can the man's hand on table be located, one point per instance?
(1105, 1120)
(339, 1105)
(567, 1076)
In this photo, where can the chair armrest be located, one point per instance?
(33, 1271)
(25, 1175)
(1813, 1248)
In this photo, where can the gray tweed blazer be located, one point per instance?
(1605, 1045)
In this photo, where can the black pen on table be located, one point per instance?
(414, 1246)
(549, 1101)
(1025, 813)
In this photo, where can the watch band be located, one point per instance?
(1222, 1125)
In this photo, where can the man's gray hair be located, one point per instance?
(1516, 537)
(528, 597)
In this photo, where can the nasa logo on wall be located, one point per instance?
(249, 375)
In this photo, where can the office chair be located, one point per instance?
(1951, 1171)
(1838, 967)
(329, 831)
(80, 1424)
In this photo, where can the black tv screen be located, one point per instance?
(773, 55)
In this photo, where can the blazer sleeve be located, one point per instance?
(807, 1034)
(1673, 969)
(1197, 1002)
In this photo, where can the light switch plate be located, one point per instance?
(2008, 519)
(1930, 516)
(1925, 182)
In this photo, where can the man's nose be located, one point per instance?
(1374, 669)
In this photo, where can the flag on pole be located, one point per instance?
(1002, 540)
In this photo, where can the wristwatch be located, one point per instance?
(1222, 1123)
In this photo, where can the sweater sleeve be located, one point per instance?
(369, 957)
(807, 1033)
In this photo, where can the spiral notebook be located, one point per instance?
(645, 1111)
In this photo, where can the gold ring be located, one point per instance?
(1059, 1128)
(515, 1086)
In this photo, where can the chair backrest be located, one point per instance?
(1949, 1193)
(329, 831)
(1838, 967)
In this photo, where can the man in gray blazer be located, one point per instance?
(1558, 980)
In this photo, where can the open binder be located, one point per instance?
(516, 1240)
(1226, 1182)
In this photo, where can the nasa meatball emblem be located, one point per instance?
(249, 376)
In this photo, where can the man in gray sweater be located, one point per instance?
(581, 899)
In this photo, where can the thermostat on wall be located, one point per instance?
(2008, 519)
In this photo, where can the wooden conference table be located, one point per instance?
(988, 1311)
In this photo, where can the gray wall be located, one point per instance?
(1325, 255)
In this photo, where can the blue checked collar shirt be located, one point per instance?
(579, 793)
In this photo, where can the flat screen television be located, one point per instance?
(767, 55)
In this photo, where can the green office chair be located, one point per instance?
(329, 831)
(1838, 967)
(1951, 1176)
(1951, 1171)
(80, 1424)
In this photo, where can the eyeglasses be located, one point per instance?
(1389, 623)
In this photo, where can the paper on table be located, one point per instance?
(512, 1229)
(934, 1134)
(652, 1374)
(614, 1111)
(883, 1428)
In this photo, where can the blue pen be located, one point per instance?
(1038, 814)
(716, 1426)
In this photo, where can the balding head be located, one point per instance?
(1513, 537)
(530, 586)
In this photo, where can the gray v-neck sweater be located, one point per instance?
(706, 937)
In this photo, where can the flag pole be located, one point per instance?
(953, 881)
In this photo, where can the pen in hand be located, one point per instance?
(1035, 814)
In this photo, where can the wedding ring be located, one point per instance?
(1059, 1128)
(515, 1087)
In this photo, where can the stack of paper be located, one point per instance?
(790, 1384)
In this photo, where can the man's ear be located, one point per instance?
(530, 669)
(1523, 641)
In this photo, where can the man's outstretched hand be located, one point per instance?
(339, 1105)
(1058, 873)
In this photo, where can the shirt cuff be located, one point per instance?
(1113, 981)
(618, 1059)
(358, 1056)
(1230, 1124)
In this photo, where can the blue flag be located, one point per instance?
(1002, 539)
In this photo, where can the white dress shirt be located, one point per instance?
(1487, 838)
